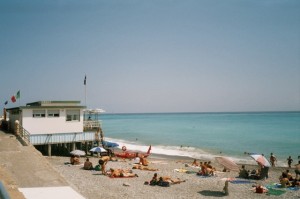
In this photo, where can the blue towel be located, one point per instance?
(241, 181)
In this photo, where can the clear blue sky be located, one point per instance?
(153, 56)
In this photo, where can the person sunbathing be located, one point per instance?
(143, 161)
(171, 180)
(260, 189)
(121, 173)
(141, 167)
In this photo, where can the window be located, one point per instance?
(73, 115)
(38, 113)
(53, 113)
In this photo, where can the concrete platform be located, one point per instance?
(25, 167)
(50, 193)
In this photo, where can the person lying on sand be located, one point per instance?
(170, 180)
(164, 180)
(141, 167)
(121, 173)
(260, 189)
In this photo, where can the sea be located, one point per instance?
(208, 135)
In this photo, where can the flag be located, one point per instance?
(13, 99)
(84, 80)
(5, 102)
(18, 95)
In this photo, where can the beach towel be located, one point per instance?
(278, 186)
(185, 171)
(202, 176)
(275, 192)
(240, 181)
(122, 177)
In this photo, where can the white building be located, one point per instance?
(52, 122)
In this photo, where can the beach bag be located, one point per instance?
(163, 184)
(153, 182)
(98, 167)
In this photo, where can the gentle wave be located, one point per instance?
(191, 152)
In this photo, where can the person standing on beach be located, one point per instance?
(290, 160)
(273, 160)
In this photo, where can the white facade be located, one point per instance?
(51, 125)
(49, 117)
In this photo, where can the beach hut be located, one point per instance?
(52, 122)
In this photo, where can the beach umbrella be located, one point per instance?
(228, 163)
(260, 159)
(78, 153)
(110, 144)
(98, 149)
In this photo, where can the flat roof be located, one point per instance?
(50, 104)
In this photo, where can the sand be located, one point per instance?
(93, 185)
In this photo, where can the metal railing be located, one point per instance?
(91, 125)
(24, 134)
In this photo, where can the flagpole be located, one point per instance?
(84, 94)
(85, 89)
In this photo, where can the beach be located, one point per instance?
(93, 185)
(25, 167)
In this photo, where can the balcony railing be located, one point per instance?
(93, 125)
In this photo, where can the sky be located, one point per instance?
(143, 56)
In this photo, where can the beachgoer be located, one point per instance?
(121, 173)
(141, 167)
(143, 161)
(103, 161)
(284, 181)
(243, 173)
(170, 180)
(154, 180)
(289, 175)
(225, 188)
(273, 159)
(195, 163)
(88, 165)
(260, 189)
(289, 160)
(137, 159)
(74, 160)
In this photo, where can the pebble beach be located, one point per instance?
(94, 185)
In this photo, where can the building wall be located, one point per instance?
(51, 125)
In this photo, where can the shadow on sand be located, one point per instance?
(212, 193)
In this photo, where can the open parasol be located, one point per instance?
(228, 163)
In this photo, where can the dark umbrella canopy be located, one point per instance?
(110, 144)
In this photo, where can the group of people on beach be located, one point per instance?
(286, 179)
(206, 169)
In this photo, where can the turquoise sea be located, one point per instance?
(206, 135)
